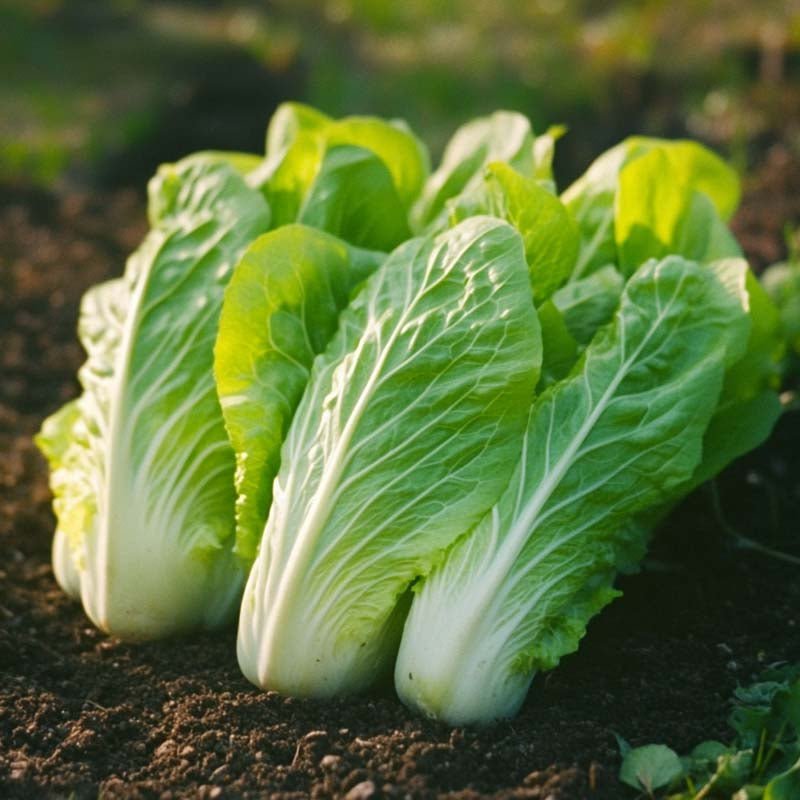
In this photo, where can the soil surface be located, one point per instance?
(83, 715)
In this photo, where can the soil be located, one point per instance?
(83, 715)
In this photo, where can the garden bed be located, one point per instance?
(83, 715)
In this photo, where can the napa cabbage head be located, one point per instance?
(623, 432)
(141, 467)
(406, 433)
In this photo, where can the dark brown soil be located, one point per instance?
(83, 716)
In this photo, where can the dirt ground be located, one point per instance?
(82, 715)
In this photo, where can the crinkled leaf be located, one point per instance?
(73, 492)
(549, 234)
(406, 434)
(619, 436)
(152, 467)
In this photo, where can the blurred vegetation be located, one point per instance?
(103, 91)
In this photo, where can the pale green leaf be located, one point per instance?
(150, 463)
(595, 202)
(664, 205)
(299, 140)
(404, 155)
(620, 435)
(406, 434)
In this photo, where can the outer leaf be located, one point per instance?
(503, 136)
(620, 435)
(749, 405)
(281, 308)
(150, 463)
(73, 493)
(405, 436)
(736, 429)
(169, 194)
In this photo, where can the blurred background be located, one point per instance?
(98, 93)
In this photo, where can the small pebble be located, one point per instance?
(362, 791)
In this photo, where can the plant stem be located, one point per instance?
(743, 541)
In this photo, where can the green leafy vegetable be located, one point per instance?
(618, 436)
(406, 434)
(142, 467)
(354, 424)
(762, 762)
(650, 767)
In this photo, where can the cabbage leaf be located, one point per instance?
(281, 308)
